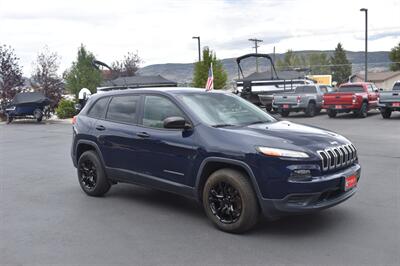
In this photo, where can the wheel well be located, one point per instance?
(210, 168)
(82, 148)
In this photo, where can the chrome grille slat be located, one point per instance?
(337, 157)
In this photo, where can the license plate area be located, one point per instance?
(350, 182)
(396, 104)
(286, 106)
(338, 107)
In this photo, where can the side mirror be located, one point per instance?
(380, 89)
(176, 122)
(376, 90)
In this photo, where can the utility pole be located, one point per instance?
(366, 42)
(256, 41)
(198, 45)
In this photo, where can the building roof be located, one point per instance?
(379, 76)
(139, 81)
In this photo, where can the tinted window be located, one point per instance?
(324, 89)
(156, 109)
(123, 108)
(98, 109)
(353, 88)
(396, 87)
(306, 89)
(220, 109)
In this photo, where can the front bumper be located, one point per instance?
(321, 193)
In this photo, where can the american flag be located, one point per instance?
(210, 80)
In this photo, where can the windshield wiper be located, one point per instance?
(257, 122)
(223, 125)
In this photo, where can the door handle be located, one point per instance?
(100, 127)
(142, 134)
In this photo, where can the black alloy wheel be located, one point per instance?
(225, 202)
(88, 174)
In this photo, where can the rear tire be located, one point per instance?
(230, 201)
(332, 113)
(386, 113)
(285, 113)
(38, 114)
(9, 119)
(310, 111)
(363, 112)
(91, 175)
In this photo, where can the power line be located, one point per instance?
(256, 41)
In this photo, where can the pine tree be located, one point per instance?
(10, 73)
(82, 74)
(341, 67)
(200, 74)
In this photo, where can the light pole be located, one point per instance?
(198, 44)
(366, 42)
(256, 41)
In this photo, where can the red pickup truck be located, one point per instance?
(351, 97)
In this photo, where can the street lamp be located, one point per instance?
(366, 42)
(198, 44)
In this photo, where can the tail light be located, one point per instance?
(298, 99)
(323, 101)
(74, 120)
(354, 99)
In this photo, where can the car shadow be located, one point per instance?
(291, 225)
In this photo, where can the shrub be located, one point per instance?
(66, 109)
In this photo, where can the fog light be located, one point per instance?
(300, 175)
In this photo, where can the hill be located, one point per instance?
(182, 73)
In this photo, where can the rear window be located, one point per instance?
(123, 109)
(306, 89)
(98, 109)
(351, 89)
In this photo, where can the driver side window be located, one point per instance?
(156, 109)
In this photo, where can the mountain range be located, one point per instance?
(183, 72)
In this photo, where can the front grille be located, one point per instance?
(338, 157)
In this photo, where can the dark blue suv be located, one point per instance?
(231, 156)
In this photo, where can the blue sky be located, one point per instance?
(161, 31)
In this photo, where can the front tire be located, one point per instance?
(332, 113)
(310, 111)
(91, 175)
(38, 115)
(230, 201)
(386, 113)
(285, 113)
(363, 112)
(9, 119)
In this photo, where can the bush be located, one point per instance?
(66, 109)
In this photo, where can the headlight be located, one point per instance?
(282, 153)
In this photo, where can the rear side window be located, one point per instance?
(123, 109)
(98, 109)
(156, 109)
(306, 89)
(396, 86)
(351, 89)
(323, 89)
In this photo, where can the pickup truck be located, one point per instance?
(389, 101)
(307, 98)
(351, 97)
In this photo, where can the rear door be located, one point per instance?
(164, 153)
(372, 95)
(117, 134)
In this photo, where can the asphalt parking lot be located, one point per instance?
(45, 218)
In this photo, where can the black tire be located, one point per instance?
(310, 111)
(230, 187)
(386, 113)
(91, 175)
(285, 113)
(38, 114)
(363, 112)
(332, 113)
(9, 119)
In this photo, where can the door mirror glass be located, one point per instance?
(175, 122)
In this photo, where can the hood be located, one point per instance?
(288, 135)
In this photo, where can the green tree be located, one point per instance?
(341, 67)
(200, 74)
(318, 63)
(394, 56)
(10, 73)
(82, 74)
(290, 61)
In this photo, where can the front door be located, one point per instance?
(164, 153)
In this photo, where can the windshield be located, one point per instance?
(351, 89)
(220, 109)
(306, 89)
